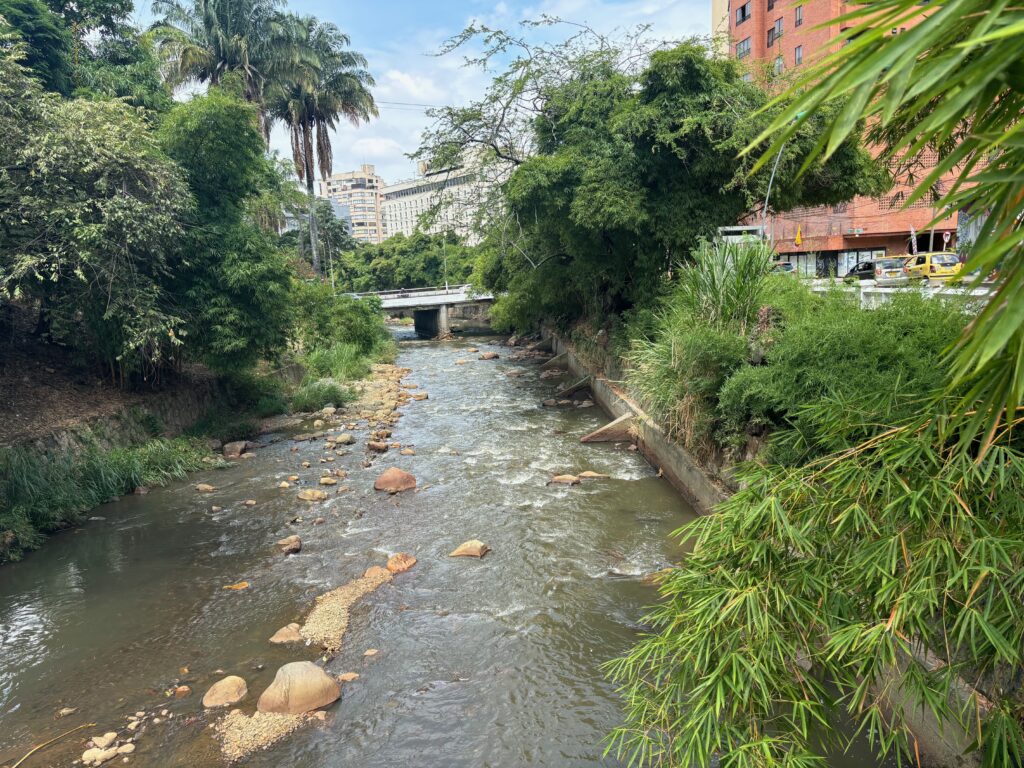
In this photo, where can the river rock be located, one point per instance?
(141, 490)
(461, 362)
(407, 452)
(330, 410)
(104, 741)
(299, 687)
(564, 480)
(550, 403)
(290, 545)
(377, 446)
(319, 521)
(328, 481)
(288, 634)
(344, 439)
(126, 749)
(401, 562)
(250, 502)
(489, 356)
(318, 424)
(588, 474)
(376, 572)
(369, 653)
(471, 548)
(230, 690)
(205, 488)
(394, 480)
(96, 756)
(312, 494)
(472, 350)
(182, 691)
(348, 677)
(284, 485)
(420, 396)
(234, 449)
(293, 478)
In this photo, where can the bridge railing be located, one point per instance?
(403, 293)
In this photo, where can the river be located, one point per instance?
(492, 662)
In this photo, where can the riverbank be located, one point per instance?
(467, 648)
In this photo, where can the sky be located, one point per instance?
(401, 37)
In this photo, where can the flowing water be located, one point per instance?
(492, 662)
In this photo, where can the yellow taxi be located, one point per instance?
(932, 266)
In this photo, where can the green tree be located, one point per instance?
(123, 67)
(203, 41)
(330, 85)
(417, 261)
(234, 284)
(47, 50)
(631, 169)
(91, 224)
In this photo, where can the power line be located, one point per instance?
(409, 104)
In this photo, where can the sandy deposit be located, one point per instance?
(241, 734)
(327, 622)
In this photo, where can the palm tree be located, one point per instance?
(332, 84)
(203, 41)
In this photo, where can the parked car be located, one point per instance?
(933, 266)
(882, 271)
(784, 267)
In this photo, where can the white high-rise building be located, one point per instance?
(451, 196)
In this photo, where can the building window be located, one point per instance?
(742, 13)
(798, 55)
(775, 32)
(799, 16)
(771, 5)
(743, 48)
(779, 65)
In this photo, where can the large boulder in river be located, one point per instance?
(377, 446)
(311, 494)
(471, 548)
(290, 545)
(287, 634)
(299, 687)
(344, 438)
(489, 356)
(231, 690)
(235, 449)
(395, 480)
(401, 562)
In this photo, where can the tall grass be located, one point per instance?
(725, 284)
(314, 395)
(345, 362)
(41, 492)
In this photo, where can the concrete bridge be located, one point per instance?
(438, 311)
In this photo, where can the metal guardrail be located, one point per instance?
(402, 293)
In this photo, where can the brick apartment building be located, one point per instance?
(777, 36)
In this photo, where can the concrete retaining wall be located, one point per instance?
(678, 466)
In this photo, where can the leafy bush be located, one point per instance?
(835, 349)
(314, 395)
(324, 319)
(40, 492)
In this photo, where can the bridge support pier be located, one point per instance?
(431, 323)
